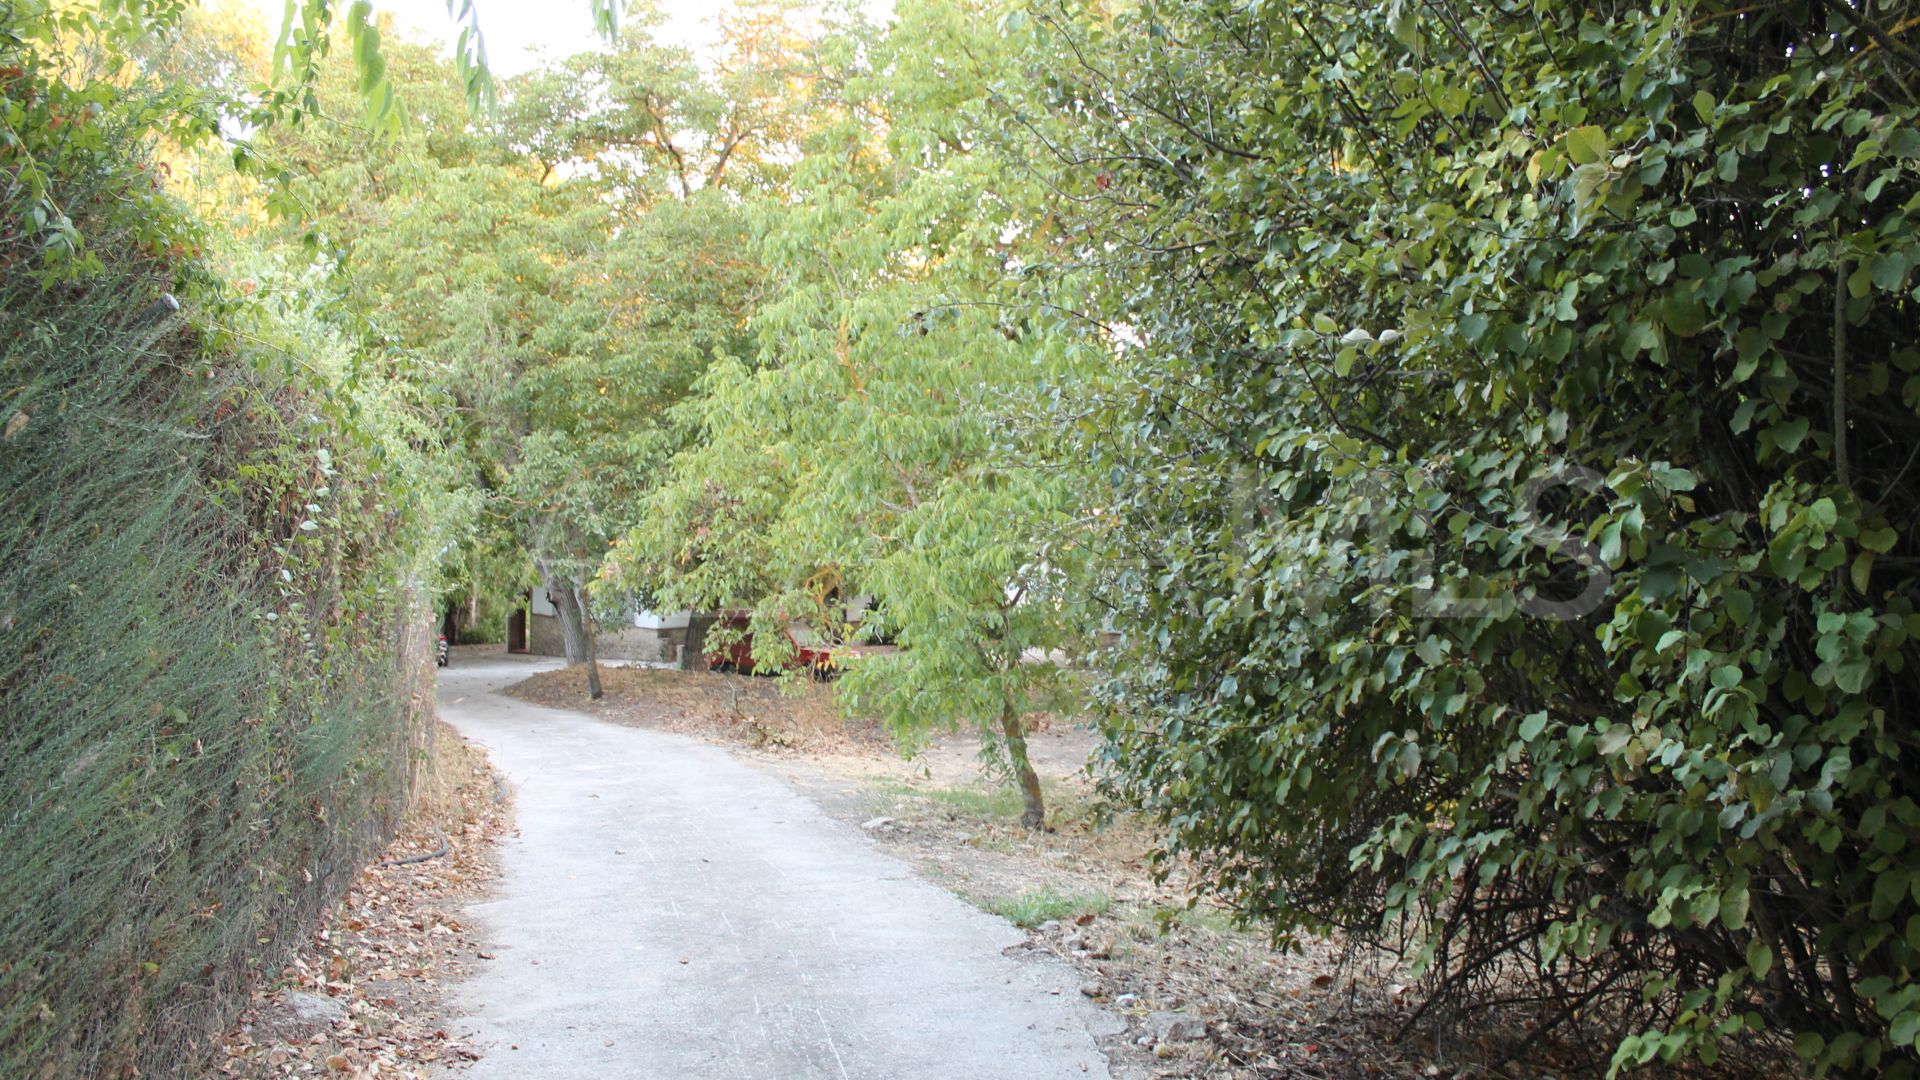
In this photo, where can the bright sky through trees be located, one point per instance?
(520, 33)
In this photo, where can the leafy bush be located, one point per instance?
(208, 649)
(1519, 442)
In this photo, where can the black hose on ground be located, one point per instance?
(411, 859)
(499, 796)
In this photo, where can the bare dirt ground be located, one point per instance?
(1200, 996)
(362, 998)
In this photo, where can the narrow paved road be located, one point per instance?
(670, 912)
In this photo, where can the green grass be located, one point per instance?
(1164, 919)
(1029, 910)
(1000, 803)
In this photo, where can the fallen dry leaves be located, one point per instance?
(760, 712)
(362, 998)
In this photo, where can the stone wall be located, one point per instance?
(630, 643)
(543, 635)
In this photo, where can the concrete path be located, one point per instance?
(670, 912)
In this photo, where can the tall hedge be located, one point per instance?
(1518, 456)
(209, 654)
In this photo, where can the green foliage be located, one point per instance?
(1636, 731)
(209, 645)
(60, 76)
(584, 264)
(1494, 429)
(881, 445)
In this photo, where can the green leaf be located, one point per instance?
(1586, 145)
(1431, 649)
(1808, 1045)
(1904, 1028)
(1614, 739)
(1862, 571)
(1788, 433)
(1859, 282)
(1402, 25)
(1889, 270)
(1880, 540)
(1759, 957)
(1733, 907)
(1889, 890)
(1684, 315)
(1675, 479)
(1610, 551)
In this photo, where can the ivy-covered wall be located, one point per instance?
(213, 665)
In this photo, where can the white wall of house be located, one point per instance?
(651, 620)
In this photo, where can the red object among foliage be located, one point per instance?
(809, 652)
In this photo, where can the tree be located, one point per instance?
(558, 353)
(641, 322)
(649, 123)
(880, 445)
(1515, 459)
(649, 305)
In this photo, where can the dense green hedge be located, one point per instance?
(209, 656)
(1436, 308)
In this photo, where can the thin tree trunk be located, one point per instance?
(693, 644)
(1034, 814)
(592, 645)
(1840, 379)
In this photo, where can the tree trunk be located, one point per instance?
(576, 625)
(1034, 814)
(693, 645)
(593, 646)
(573, 628)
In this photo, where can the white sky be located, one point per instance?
(517, 30)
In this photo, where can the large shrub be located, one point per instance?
(208, 648)
(1520, 458)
